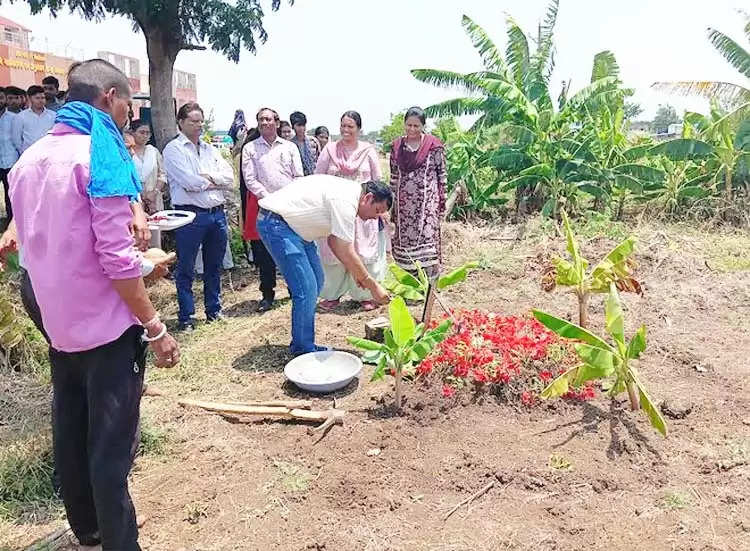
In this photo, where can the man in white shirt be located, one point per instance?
(268, 164)
(8, 153)
(34, 122)
(316, 207)
(198, 176)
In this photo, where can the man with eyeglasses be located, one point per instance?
(198, 176)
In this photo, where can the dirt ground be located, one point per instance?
(566, 476)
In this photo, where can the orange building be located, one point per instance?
(22, 67)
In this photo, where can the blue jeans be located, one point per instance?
(210, 230)
(299, 263)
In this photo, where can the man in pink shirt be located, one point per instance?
(268, 164)
(71, 194)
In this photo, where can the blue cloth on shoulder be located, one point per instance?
(113, 173)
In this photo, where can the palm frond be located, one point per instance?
(449, 79)
(491, 57)
(606, 85)
(723, 91)
(457, 107)
(509, 93)
(605, 65)
(517, 52)
(545, 44)
(735, 54)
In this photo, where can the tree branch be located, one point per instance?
(186, 46)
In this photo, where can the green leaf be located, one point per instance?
(624, 181)
(390, 343)
(491, 57)
(682, 149)
(693, 192)
(654, 415)
(561, 384)
(595, 190)
(637, 343)
(541, 170)
(372, 356)
(379, 372)
(566, 273)
(637, 152)
(402, 323)
(425, 282)
(641, 172)
(404, 277)
(548, 207)
(613, 316)
(599, 363)
(456, 276)
(569, 330)
(605, 65)
(364, 344)
(613, 266)
(579, 263)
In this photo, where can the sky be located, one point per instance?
(324, 57)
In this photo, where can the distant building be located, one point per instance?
(640, 126)
(184, 87)
(131, 66)
(22, 67)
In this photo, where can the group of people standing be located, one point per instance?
(317, 209)
(25, 116)
(269, 162)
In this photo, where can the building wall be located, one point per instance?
(22, 68)
(131, 66)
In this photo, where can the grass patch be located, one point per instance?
(26, 478)
(675, 501)
(154, 440)
(559, 463)
(729, 253)
(590, 225)
(293, 477)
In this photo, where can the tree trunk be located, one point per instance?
(635, 402)
(728, 184)
(161, 57)
(398, 388)
(583, 309)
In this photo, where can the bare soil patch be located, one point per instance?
(567, 476)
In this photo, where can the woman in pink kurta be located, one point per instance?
(358, 161)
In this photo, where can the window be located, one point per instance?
(134, 69)
(13, 36)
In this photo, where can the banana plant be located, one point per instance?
(615, 268)
(602, 360)
(405, 345)
(401, 283)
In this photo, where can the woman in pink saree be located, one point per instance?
(358, 161)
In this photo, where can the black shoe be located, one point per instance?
(216, 317)
(187, 327)
(265, 305)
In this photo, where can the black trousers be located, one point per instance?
(95, 413)
(8, 208)
(28, 298)
(267, 268)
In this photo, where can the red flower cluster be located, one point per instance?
(489, 349)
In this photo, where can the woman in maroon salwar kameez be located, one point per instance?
(418, 181)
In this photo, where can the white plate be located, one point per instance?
(323, 371)
(174, 219)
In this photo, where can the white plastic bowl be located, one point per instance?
(323, 372)
(174, 219)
